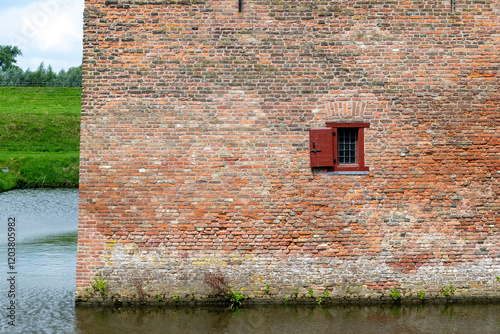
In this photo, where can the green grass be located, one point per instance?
(39, 136)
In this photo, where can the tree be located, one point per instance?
(13, 77)
(74, 76)
(37, 78)
(8, 56)
(71, 78)
(41, 77)
(49, 75)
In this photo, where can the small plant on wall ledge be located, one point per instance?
(100, 284)
(395, 294)
(140, 291)
(235, 299)
(448, 291)
(217, 282)
(326, 294)
(220, 286)
(421, 295)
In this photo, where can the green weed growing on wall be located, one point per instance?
(395, 294)
(100, 284)
(448, 291)
(235, 298)
(421, 295)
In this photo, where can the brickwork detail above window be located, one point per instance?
(345, 108)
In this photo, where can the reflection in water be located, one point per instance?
(293, 319)
(45, 285)
(46, 235)
(46, 264)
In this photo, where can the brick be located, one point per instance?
(195, 145)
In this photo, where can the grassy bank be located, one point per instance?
(39, 136)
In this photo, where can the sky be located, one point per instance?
(48, 31)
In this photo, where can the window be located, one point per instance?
(348, 138)
(339, 147)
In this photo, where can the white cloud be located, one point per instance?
(43, 27)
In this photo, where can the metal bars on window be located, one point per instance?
(347, 141)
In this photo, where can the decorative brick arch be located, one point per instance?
(345, 108)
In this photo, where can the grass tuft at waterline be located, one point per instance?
(39, 137)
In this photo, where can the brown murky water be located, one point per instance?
(293, 319)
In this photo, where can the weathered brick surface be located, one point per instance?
(195, 152)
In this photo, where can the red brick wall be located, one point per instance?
(195, 148)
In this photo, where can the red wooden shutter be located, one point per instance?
(321, 147)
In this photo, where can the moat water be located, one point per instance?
(44, 275)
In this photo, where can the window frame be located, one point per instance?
(331, 148)
(359, 166)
